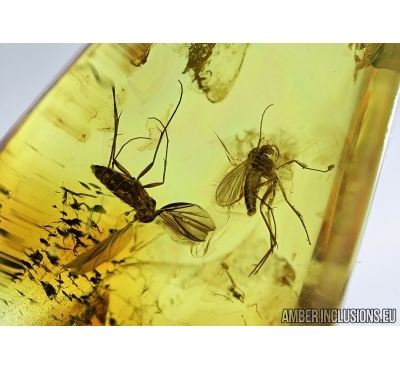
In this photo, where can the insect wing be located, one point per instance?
(187, 220)
(230, 190)
(101, 252)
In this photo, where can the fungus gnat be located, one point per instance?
(259, 170)
(187, 220)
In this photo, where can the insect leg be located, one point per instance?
(121, 168)
(113, 158)
(152, 185)
(271, 189)
(119, 165)
(116, 123)
(294, 209)
(147, 169)
(302, 165)
(271, 213)
(267, 220)
(122, 147)
(261, 263)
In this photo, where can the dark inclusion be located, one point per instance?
(49, 289)
(198, 58)
(215, 67)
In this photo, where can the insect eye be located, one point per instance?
(267, 149)
(153, 202)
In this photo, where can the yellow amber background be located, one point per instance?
(320, 116)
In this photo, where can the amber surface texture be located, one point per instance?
(54, 209)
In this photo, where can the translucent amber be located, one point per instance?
(53, 208)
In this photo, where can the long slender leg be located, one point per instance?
(272, 233)
(113, 158)
(116, 124)
(261, 263)
(302, 165)
(154, 184)
(122, 168)
(122, 147)
(294, 210)
(270, 203)
(147, 169)
(119, 165)
(270, 190)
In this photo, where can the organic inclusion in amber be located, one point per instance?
(191, 265)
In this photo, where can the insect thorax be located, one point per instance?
(146, 210)
(146, 216)
(140, 200)
(260, 160)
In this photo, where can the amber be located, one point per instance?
(53, 208)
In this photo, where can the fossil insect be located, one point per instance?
(233, 289)
(259, 170)
(189, 221)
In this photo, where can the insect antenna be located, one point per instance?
(262, 117)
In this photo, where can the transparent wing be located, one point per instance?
(101, 252)
(230, 190)
(188, 220)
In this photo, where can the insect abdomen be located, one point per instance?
(250, 191)
(129, 190)
(117, 183)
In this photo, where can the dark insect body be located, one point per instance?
(233, 288)
(130, 190)
(187, 220)
(258, 171)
